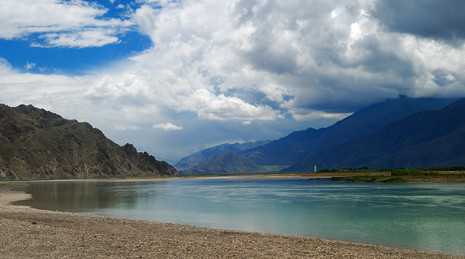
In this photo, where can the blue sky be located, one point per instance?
(22, 54)
(174, 77)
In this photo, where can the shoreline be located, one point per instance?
(31, 233)
(161, 179)
(351, 176)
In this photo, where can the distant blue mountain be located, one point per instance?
(300, 150)
(425, 139)
(219, 159)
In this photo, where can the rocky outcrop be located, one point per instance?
(38, 144)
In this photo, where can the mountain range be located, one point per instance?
(219, 158)
(38, 144)
(400, 132)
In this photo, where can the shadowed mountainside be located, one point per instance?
(297, 147)
(300, 150)
(37, 144)
(426, 139)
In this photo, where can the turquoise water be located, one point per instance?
(423, 216)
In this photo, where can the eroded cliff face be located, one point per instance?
(37, 144)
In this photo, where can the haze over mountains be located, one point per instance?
(402, 132)
(218, 158)
(37, 144)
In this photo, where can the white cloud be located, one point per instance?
(167, 126)
(79, 39)
(206, 50)
(309, 115)
(219, 107)
(70, 24)
(126, 128)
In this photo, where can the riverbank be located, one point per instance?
(394, 176)
(402, 176)
(32, 233)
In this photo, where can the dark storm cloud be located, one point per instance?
(436, 19)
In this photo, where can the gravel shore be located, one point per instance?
(31, 233)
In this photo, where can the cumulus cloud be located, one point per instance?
(329, 56)
(59, 23)
(167, 126)
(79, 39)
(220, 107)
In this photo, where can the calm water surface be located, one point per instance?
(423, 216)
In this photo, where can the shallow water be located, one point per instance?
(423, 216)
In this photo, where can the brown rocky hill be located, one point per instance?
(38, 144)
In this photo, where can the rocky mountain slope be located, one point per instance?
(37, 144)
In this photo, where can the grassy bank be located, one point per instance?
(401, 176)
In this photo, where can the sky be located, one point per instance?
(177, 76)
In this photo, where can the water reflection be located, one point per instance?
(86, 196)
